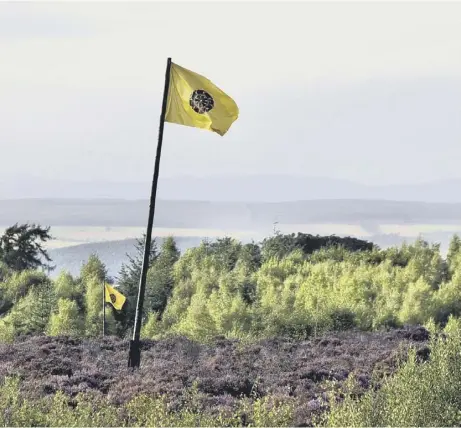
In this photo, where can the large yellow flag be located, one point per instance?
(195, 101)
(114, 297)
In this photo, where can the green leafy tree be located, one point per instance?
(226, 252)
(92, 277)
(282, 245)
(93, 306)
(67, 320)
(65, 287)
(197, 323)
(18, 286)
(152, 327)
(30, 314)
(21, 247)
(7, 329)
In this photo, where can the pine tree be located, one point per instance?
(160, 279)
(21, 247)
(453, 250)
(128, 283)
(43, 301)
(93, 268)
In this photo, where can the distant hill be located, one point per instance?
(240, 215)
(257, 188)
(112, 253)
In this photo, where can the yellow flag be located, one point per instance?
(195, 101)
(114, 297)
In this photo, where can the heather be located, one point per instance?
(296, 330)
(423, 391)
(61, 381)
(92, 410)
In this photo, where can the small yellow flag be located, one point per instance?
(195, 101)
(114, 297)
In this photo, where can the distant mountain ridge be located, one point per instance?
(112, 253)
(261, 188)
(241, 215)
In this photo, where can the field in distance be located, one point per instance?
(66, 236)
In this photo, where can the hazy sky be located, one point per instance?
(369, 92)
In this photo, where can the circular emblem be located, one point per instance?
(201, 101)
(113, 299)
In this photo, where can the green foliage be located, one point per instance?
(21, 247)
(454, 252)
(419, 394)
(66, 321)
(223, 288)
(5, 272)
(281, 245)
(31, 299)
(65, 287)
(93, 270)
(160, 280)
(128, 282)
(197, 322)
(92, 277)
(152, 328)
(20, 284)
(94, 310)
(37, 307)
(229, 289)
(95, 410)
(7, 329)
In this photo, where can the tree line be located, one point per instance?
(298, 285)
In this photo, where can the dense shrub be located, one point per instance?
(94, 410)
(425, 391)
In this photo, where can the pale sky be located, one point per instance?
(369, 92)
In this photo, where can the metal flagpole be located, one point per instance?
(134, 358)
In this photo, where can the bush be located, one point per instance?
(66, 321)
(88, 410)
(424, 392)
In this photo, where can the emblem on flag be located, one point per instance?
(201, 101)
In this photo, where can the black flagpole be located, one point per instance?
(103, 307)
(134, 358)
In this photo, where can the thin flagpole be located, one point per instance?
(103, 308)
(134, 358)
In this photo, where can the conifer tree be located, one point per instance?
(128, 282)
(160, 279)
(41, 303)
(453, 250)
